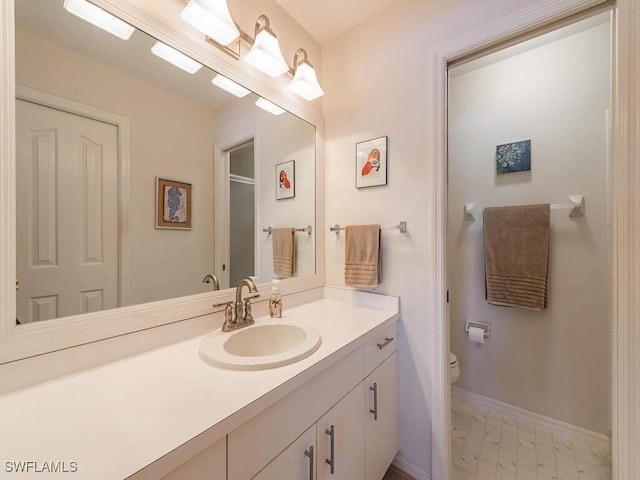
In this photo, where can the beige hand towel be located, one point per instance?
(284, 251)
(362, 256)
(516, 251)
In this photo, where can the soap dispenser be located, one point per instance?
(275, 302)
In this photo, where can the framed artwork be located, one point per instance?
(513, 157)
(371, 163)
(286, 180)
(173, 204)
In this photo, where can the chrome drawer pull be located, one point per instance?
(331, 462)
(387, 341)
(309, 453)
(374, 389)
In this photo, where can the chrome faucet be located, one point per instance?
(240, 315)
(243, 307)
(212, 278)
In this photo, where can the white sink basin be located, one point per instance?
(265, 344)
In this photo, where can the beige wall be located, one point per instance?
(378, 80)
(554, 362)
(171, 137)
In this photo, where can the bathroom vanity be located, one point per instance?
(169, 413)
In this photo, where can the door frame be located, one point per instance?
(625, 315)
(124, 198)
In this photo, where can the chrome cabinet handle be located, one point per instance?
(309, 453)
(331, 462)
(387, 341)
(374, 389)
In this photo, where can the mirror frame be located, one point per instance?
(24, 341)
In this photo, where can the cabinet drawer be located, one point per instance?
(379, 348)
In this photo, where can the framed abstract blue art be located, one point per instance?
(513, 157)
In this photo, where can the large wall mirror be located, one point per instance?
(108, 137)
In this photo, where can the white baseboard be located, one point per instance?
(404, 465)
(553, 425)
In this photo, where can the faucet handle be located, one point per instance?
(223, 304)
(228, 314)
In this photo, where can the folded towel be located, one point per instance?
(516, 254)
(284, 251)
(362, 256)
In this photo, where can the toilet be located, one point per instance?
(454, 368)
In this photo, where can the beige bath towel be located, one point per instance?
(284, 251)
(516, 254)
(362, 256)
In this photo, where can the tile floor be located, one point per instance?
(395, 473)
(487, 446)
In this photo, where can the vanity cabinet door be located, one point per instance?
(210, 464)
(381, 418)
(258, 441)
(345, 423)
(296, 462)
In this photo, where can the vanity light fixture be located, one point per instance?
(265, 53)
(266, 56)
(305, 82)
(269, 107)
(175, 57)
(99, 17)
(230, 86)
(212, 18)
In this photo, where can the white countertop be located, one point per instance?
(114, 420)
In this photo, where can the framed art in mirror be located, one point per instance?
(173, 204)
(286, 180)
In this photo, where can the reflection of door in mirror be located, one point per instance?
(67, 214)
(242, 213)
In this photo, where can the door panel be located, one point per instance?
(66, 214)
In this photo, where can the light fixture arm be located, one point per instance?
(262, 23)
(296, 59)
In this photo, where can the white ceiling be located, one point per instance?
(328, 19)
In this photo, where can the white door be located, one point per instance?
(66, 214)
(340, 439)
(381, 418)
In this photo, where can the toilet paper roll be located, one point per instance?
(476, 334)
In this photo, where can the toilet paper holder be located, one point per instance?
(484, 326)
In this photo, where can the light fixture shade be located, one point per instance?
(212, 18)
(175, 57)
(230, 86)
(269, 107)
(99, 17)
(305, 83)
(266, 56)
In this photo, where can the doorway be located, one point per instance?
(535, 397)
(242, 222)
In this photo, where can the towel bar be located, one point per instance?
(402, 226)
(576, 206)
(306, 229)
